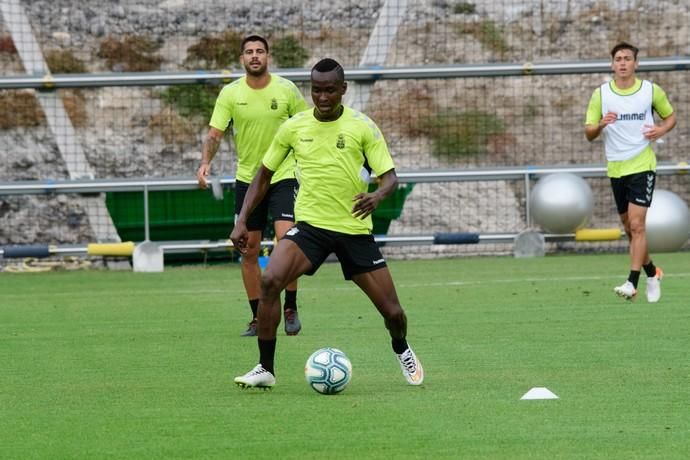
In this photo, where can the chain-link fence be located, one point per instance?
(457, 123)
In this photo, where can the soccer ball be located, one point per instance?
(328, 371)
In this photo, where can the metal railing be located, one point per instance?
(146, 185)
(362, 74)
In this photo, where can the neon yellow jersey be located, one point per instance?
(333, 160)
(255, 115)
(646, 160)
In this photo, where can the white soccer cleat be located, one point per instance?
(411, 367)
(256, 378)
(654, 286)
(626, 290)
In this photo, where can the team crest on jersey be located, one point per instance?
(341, 142)
(274, 104)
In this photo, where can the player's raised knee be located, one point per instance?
(272, 283)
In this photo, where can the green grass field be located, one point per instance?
(122, 365)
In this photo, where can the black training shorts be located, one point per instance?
(279, 201)
(636, 188)
(357, 253)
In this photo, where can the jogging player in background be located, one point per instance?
(335, 149)
(622, 112)
(254, 106)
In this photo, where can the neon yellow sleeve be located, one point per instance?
(594, 108)
(376, 150)
(297, 102)
(279, 148)
(222, 112)
(660, 102)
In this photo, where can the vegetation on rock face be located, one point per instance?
(394, 114)
(64, 61)
(20, 109)
(75, 106)
(465, 8)
(463, 133)
(7, 45)
(133, 53)
(288, 52)
(173, 128)
(488, 34)
(192, 100)
(212, 52)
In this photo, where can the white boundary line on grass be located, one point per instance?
(352, 286)
(525, 280)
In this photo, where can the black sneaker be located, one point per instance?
(292, 323)
(251, 329)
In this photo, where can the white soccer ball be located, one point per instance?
(328, 371)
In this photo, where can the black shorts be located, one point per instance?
(636, 188)
(357, 253)
(279, 201)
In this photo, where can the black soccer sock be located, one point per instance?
(634, 277)
(650, 269)
(254, 305)
(267, 351)
(290, 300)
(399, 345)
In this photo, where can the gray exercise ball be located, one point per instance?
(561, 203)
(668, 222)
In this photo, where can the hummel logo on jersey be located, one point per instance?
(274, 104)
(377, 261)
(341, 142)
(282, 214)
(306, 139)
(630, 116)
(293, 231)
(241, 103)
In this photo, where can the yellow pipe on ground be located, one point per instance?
(111, 249)
(598, 234)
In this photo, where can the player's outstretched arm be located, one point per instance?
(366, 203)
